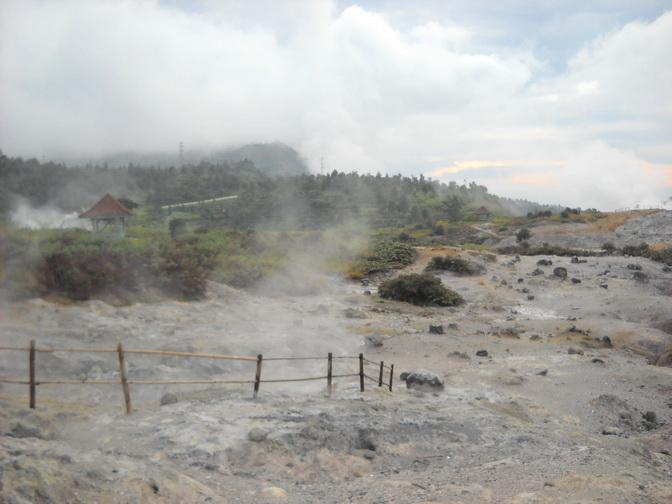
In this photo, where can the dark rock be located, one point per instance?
(640, 277)
(543, 372)
(366, 439)
(482, 353)
(605, 341)
(453, 326)
(422, 379)
(168, 398)
(436, 329)
(544, 262)
(369, 454)
(634, 267)
(667, 269)
(560, 272)
(604, 285)
(597, 361)
(521, 280)
(535, 337)
(650, 420)
(574, 351)
(530, 297)
(459, 355)
(576, 280)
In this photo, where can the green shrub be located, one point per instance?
(523, 234)
(420, 289)
(184, 266)
(454, 264)
(641, 250)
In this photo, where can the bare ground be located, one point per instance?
(526, 424)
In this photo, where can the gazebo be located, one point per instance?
(108, 217)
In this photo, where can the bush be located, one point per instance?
(523, 234)
(454, 264)
(184, 266)
(641, 250)
(422, 290)
(609, 247)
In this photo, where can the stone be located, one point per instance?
(612, 431)
(560, 272)
(574, 351)
(597, 361)
(25, 430)
(530, 297)
(543, 372)
(605, 341)
(537, 272)
(641, 277)
(422, 379)
(544, 262)
(168, 398)
(453, 326)
(650, 420)
(257, 435)
(351, 313)
(634, 267)
(576, 280)
(436, 329)
(604, 285)
(482, 353)
(366, 440)
(459, 355)
(369, 454)
(374, 340)
(667, 269)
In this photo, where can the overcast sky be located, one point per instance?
(561, 101)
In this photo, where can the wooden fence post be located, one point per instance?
(361, 372)
(31, 373)
(391, 375)
(257, 376)
(380, 374)
(329, 372)
(124, 379)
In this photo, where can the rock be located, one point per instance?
(369, 454)
(530, 297)
(544, 262)
(521, 280)
(168, 398)
(543, 372)
(605, 341)
(575, 260)
(453, 326)
(535, 337)
(374, 340)
(641, 277)
(574, 351)
(634, 267)
(576, 280)
(257, 435)
(664, 359)
(510, 332)
(274, 493)
(26, 430)
(366, 440)
(422, 379)
(604, 285)
(597, 361)
(612, 431)
(650, 420)
(667, 269)
(436, 329)
(482, 353)
(537, 272)
(560, 272)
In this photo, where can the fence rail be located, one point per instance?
(125, 382)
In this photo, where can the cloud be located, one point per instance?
(346, 83)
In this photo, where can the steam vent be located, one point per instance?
(108, 218)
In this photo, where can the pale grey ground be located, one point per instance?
(499, 432)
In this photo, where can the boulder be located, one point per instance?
(634, 267)
(576, 280)
(422, 379)
(482, 353)
(560, 272)
(640, 276)
(544, 262)
(537, 272)
(257, 435)
(436, 329)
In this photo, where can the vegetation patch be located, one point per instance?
(382, 257)
(454, 264)
(419, 289)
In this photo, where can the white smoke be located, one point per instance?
(45, 217)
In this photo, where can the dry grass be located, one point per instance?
(611, 221)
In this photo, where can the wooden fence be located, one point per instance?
(32, 382)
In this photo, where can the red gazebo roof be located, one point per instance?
(106, 207)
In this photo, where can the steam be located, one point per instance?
(45, 217)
